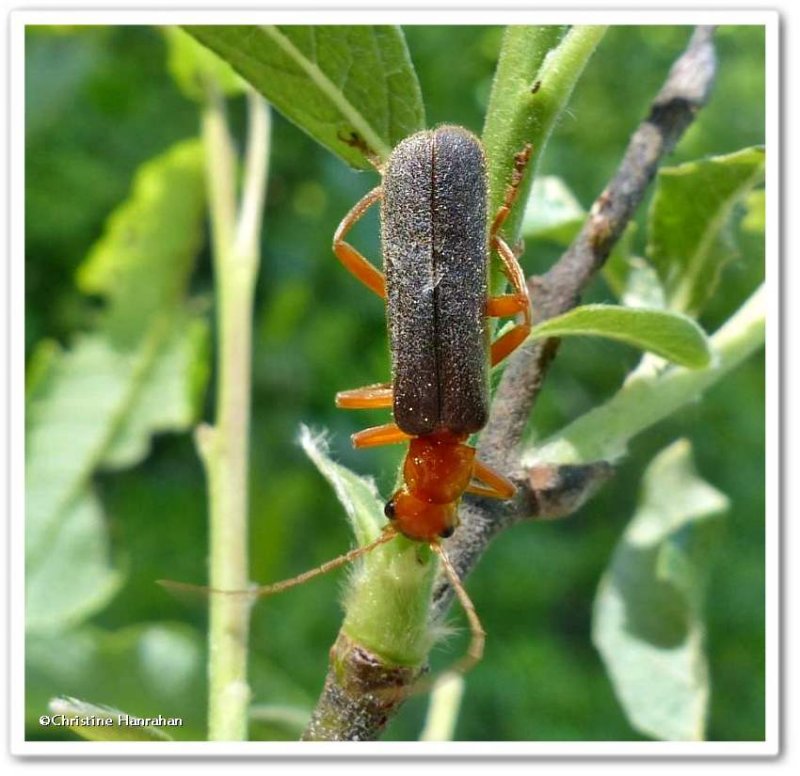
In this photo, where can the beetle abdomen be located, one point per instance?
(435, 254)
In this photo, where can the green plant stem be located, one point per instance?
(225, 447)
(256, 171)
(535, 77)
(649, 395)
(443, 708)
(220, 176)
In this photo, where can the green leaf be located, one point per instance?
(669, 335)
(193, 67)
(648, 623)
(44, 354)
(169, 400)
(650, 395)
(142, 262)
(134, 375)
(357, 495)
(388, 595)
(71, 421)
(690, 223)
(553, 212)
(343, 85)
(147, 670)
(92, 720)
(633, 280)
(70, 577)
(643, 287)
(755, 204)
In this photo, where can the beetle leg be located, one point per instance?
(387, 434)
(495, 485)
(504, 305)
(353, 261)
(511, 267)
(518, 301)
(510, 304)
(375, 396)
(512, 192)
(478, 634)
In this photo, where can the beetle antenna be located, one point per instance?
(386, 535)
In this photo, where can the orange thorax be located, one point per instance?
(437, 470)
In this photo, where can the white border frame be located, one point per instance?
(17, 22)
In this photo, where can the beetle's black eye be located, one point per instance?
(447, 532)
(388, 510)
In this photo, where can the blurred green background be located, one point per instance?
(99, 102)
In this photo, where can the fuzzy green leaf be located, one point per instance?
(136, 374)
(634, 281)
(690, 238)
(671, 336)
(358, 495)
(651, 394)
(71, 420)
(341, 84)
(648, 622)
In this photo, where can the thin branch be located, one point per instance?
(256, 172)
(221, 174)
(360, 694)
(224, 448)
(685, 91)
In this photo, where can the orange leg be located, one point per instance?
(510, 304)
(495, 485)
(504, 305)
(512, 192)
(518, 301)
(353, 261)
(478, 634)
(377, 396)
(388, 434)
